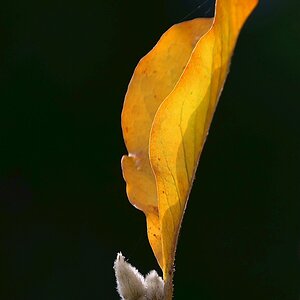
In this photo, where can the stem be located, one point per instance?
(168, 289)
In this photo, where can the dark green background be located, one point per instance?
(64, 214)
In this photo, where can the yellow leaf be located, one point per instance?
(153, 80)
(166, 116)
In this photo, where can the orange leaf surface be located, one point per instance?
(166, 116)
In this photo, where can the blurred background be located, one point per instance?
(64, 214)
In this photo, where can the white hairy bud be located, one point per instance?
(155, 286)
(131, 285)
